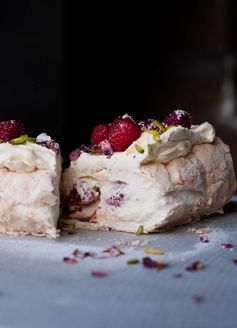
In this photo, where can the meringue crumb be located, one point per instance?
(120, 243)
(201, 230)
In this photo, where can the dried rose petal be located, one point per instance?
(229, 246)
(75, 154)
(113, 251)
(81, 254)
(198, 299)
(204, 239)
(69, 260)
(106, 148)
(161, 265)
(149, 263)
(195, 266)
(235, 260)
(98, 274)
(178, 275)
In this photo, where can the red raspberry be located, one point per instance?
(90, 195)
(10, 130)
(179, 117)
(117, 196)
(122, 133)
(100, 133)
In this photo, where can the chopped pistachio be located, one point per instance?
(154, 251)
(132, 261)
(149, 149)
(139, 149)
(155, 134)
(139, 230)
(20, 140)
(159, 125)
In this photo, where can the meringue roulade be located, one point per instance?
(30, 172)
(152, 175)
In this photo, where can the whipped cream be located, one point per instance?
(27, 157)
(175, 142)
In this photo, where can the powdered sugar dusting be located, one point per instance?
(180, 113)
(43, 137)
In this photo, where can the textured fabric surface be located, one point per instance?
(38, 289)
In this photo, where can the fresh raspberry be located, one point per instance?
(100, 133)
(122, 133)
(10, 130)
(117, 196)
(179, 117)
(83, 194)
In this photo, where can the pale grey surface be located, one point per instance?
(39, 290)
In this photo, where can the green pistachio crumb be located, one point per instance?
(139, 149)
(159, 125)
(149, 149)
(132, 261)
(155, 134)
(20, 140)
(139, 230)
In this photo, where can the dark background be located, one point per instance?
(65, 68)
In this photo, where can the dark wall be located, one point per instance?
(32, 65)
(65, 67)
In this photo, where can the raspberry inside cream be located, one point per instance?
(185, 176)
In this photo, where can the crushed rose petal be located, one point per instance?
(113, 251)
(81, 254)
(235, 260)
(151, 264)
(69, 260)
(198, 299)
(148, 263)
(106, 148)
(161, 265)
(195, 266)
(178, 275)
(229, 246)
(204, 239)
(98, 274)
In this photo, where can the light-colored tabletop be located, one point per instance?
(39, 289)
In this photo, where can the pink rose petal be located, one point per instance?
(113, 251)
(98, 274)
(198, 299)
(229, 246)
(178, 275)
(204, 239)
(195, 266)
(69, 260)
(148, 263)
